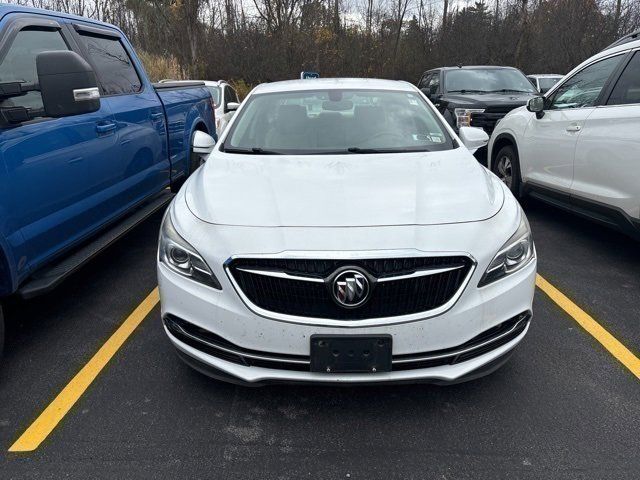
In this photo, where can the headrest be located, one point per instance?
(291, 118)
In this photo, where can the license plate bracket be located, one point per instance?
(351, 353)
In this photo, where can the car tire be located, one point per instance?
(506, 166)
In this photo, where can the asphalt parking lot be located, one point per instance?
(563, 407)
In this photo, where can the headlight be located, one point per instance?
(176, 253)
(463, 116)
(513, 256)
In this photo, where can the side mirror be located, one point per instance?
(428, 94)
(67, 83)
(231, 107)
(536, 105)
(473, 138)
(203, 143)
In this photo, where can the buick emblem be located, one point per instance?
(351, 288)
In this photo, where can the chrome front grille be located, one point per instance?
(302, 287)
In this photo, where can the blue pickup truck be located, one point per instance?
(89, 147)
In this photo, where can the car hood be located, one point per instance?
(343, 191)
(488, 99)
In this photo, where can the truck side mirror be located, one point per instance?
(427, 92)
(67, 83)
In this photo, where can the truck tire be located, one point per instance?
(506, 166)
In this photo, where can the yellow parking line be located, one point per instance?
(597, 331)
(58, 408)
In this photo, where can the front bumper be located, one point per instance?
(192, 342)
(251, 349)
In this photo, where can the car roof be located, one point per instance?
(544, 75)
(333, 83)
(632, 38)
(474, 67)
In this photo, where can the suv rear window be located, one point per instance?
(627, 89)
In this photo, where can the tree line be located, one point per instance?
(253, 41)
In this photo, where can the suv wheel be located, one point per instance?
(507, 167)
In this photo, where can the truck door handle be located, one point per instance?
(574, 128)
(105, 128)
(157, 116)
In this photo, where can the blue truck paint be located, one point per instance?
(63, 180)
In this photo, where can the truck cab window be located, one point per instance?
(114, 68)
(19, 64)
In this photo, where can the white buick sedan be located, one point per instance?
(340, 232)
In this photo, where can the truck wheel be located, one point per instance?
(506, 166)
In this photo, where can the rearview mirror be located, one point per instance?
(536, 105)
(232, 107)
(67, 83)
(473, 138)
(203, 143)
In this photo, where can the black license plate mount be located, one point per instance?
(351, 353)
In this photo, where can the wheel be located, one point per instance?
(507, 167)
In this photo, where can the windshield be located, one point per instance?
(336, 121)
(547, 82)
(485, 80)
(215, 94)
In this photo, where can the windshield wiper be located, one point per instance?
(385, 150)
(467, 91)
(251, 151)
(508, 90)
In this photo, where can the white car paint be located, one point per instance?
(347, 207)
(303, 193)
(589, 153)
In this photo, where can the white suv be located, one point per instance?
(578, 147)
